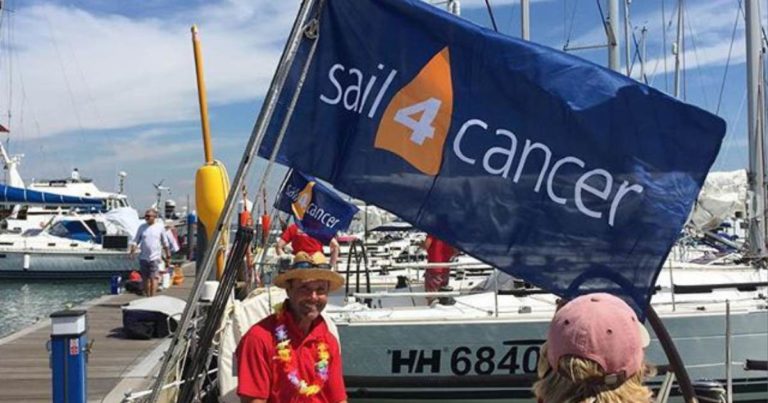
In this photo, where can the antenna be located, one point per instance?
(122, 176)
(159, 188)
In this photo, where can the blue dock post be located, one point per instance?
(68, 356)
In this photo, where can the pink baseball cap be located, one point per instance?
(602, 328)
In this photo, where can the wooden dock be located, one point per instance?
(115, 365)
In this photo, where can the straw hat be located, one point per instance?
(308, 268)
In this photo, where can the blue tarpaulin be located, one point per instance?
(550, 167)
(15, 195)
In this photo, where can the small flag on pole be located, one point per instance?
(318, 210)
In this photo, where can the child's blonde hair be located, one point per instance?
(571, 383)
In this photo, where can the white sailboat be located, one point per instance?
(485, 346)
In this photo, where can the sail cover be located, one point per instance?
(547, 166)
(15, 195)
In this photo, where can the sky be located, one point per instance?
(108, 86)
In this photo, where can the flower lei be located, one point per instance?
(285, 356)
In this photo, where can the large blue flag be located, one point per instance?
(547, 166)
(317, 210)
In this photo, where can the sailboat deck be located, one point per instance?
(114, 360)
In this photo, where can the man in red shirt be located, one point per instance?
(291, 356)
(437, 252)
(302, 242)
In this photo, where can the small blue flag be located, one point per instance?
(317, 210)
(550, 167)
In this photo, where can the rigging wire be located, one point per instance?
(739, 14)
(64, 73)
(666, 25)
(726, 149)
(637, 56)
(602, 20)
(490, 13)
(698, 64)
(86, 86)
(7, 45)
(569, 27)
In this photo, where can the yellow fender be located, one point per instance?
(211, 189)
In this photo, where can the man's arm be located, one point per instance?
(249, 400)
(254, 366)
(334, 245)
(135, 242)
(280, 245)
(427, 243)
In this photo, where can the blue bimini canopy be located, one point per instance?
(10, 194)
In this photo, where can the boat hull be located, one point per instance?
(65, 265)
(495, 359)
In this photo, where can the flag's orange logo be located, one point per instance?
(301, 204)
(416, 121)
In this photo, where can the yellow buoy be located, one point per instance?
(211, 189)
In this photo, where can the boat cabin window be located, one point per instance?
(77, 230)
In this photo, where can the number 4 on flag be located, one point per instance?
(419, 118)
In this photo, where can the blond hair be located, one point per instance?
(570, 383)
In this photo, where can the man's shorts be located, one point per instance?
(149, 268)
(434, 279)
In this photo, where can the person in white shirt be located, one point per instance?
(153, 249)
(170, 234)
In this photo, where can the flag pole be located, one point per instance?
(270, 103)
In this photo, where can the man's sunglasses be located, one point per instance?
(310, 265)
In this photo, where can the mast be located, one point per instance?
(525, 19)
(11, 165)
(755, 97)
(626, 37)
(613, 35)
(677, 49)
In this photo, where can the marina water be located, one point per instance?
(26, 302)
